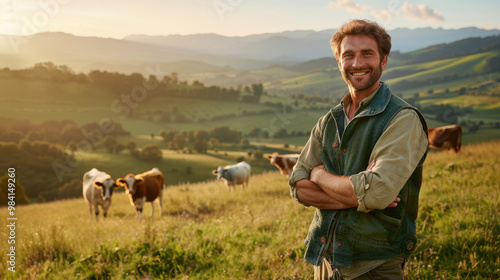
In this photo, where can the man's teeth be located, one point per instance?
(359, 73)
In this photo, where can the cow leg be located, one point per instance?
(152, 209)
(90, 212)
(161, 200)
(139, 213)
(140, 207)
(96, 209)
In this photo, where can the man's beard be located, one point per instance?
(375, 74)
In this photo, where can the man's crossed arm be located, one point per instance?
(325, 190)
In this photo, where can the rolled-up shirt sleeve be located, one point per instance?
(309, 158)
(396, 154)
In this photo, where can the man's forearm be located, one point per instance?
(337, 187)
(311, 194)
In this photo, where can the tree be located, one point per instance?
(119, 147)
(21, 197)
(73, 147)
(167, 135)
(179, 140)
(200, 146)
(225, 134)
(214, 142)
(281, 133)
(151, 153)
(258, 90)
(109, 143)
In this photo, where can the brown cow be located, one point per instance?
(285, 163)
(446, 137)
(142, 188)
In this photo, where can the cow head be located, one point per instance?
(219, 172)
(272, 157)
(129, 183)
(106, 188)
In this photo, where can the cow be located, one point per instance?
(142, 188)
(233, 174)
(446, 137)
(97, 190)
(284, 163)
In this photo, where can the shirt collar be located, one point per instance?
(346, 101)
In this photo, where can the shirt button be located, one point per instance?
(335, 144)
(367, 186)
(344, 150)
(339, 244)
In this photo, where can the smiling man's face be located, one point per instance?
(360, 63)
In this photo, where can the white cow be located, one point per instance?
(97, 190)
(233, 174)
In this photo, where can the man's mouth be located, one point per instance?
(359, 73)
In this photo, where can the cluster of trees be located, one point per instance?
(200, 139)
(150, 152)
(32, 149)
(118, 83)
(446, 113)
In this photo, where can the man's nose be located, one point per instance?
(357, 61)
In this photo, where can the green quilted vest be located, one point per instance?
(379, 234)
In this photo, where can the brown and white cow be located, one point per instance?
(142, 188)
(97, 190)
(446, 137)
(284, 163)
(233, 174)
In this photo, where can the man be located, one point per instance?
(362, 167)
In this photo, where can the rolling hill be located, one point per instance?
(254, 233)
(462, 82)
(135, 53)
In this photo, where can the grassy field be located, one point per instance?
(254, 233)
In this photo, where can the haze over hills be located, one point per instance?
(202, 56)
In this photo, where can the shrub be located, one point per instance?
(151, 153)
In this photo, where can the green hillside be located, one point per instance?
(206, 232)
(278, 115)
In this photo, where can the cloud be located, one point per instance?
(421, 12)
(348, 5)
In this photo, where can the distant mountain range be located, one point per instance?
(199, 53)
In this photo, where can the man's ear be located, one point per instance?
(384, 62)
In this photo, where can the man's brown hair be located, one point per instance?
(358, 27)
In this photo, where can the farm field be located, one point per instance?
(255, 233)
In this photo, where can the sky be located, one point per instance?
(120, 18)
